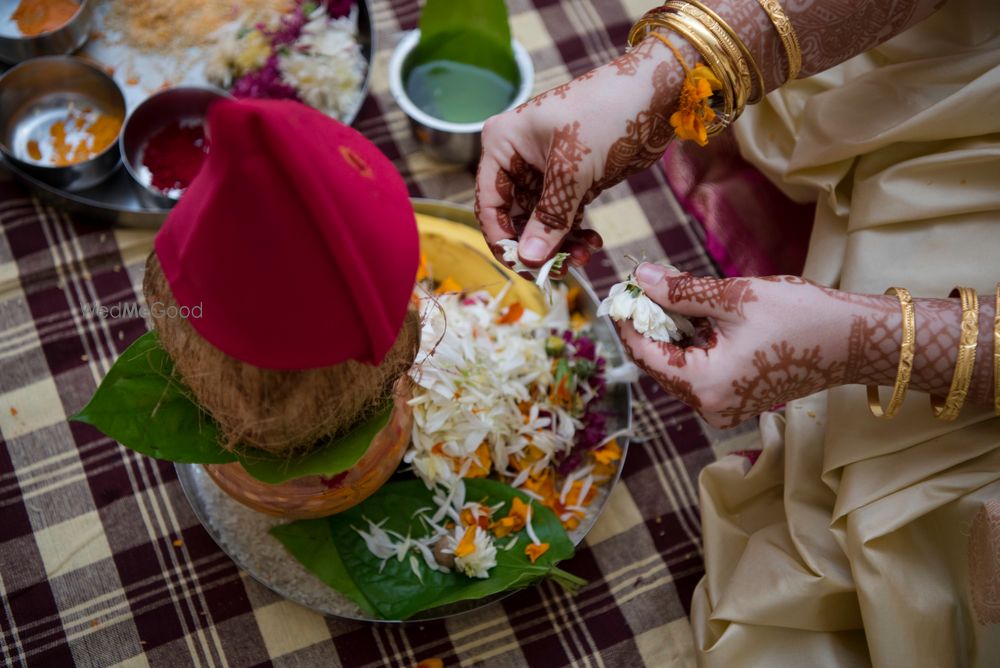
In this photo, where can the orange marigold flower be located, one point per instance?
(479, 515)
(482, 463)
(431, 663)
(467, 545)
(515, 520)
(610, 452)
(534, 551)
(693, 113)
(512, 315)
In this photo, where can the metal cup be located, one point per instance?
(67, 38)
(182, 103)
(447, 141)
(35, 92)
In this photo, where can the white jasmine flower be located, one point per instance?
(326, 65)
(627, 301)
(555, 263)
(475, 558)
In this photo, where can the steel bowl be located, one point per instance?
(67, 38)
(37, 94)
(447, 141)
(181, 104)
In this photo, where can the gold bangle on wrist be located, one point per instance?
(786, 32)
(947, 409)
(652, 20)
(739, 54)
(996, 353)
(905, 369)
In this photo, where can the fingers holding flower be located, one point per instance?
(757, 343)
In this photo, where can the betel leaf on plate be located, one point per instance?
(474, 32)
(334, 552)
(142, 404)
(326, 460)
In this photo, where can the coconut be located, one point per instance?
(282, 412)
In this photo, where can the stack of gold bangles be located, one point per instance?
(722, 50)
(949, 407)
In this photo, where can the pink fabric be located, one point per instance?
(297, 238)
(751, 227)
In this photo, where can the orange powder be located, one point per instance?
(34, 17)
(102, 132)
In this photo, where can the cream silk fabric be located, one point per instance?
(854, 541)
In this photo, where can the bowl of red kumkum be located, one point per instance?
(165, 141)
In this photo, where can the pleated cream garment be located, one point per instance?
(852, 540)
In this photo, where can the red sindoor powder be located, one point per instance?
(174, 155)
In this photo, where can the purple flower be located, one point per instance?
(265, 83)
(338, 8)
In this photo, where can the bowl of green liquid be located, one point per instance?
(447, 102)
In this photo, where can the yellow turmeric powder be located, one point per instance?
(92, 132)
(34, 17)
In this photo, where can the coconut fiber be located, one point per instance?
(280, 411)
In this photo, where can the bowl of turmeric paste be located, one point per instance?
(33, 28)
(60, 118)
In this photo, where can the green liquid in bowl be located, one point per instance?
(458, 93)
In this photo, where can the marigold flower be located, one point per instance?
(512, 315)
(693, 111)
(610, 452)
(534, 551)
(482, 463)
(514, 521)
(467, 545)
(431, 663)
(475, 513)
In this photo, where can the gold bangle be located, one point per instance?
(996, 353)
(948, 408)
(786, 32)
(653, 20)
(739, 54)
(906, 350)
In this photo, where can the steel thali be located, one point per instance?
(243, 533)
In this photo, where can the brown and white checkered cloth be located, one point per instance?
(102, 561)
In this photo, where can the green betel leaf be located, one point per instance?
(340, 558)
(474, 32)
(335, 457)
(312, 544)
(143, 406)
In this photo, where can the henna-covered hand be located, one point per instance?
(762, 342)
(546, 160)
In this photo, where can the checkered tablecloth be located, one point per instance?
(102, 561)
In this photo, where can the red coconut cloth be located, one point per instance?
(297, 239)
(751, 227)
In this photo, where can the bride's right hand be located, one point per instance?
(544, 161)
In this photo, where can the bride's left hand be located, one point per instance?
(761, 341)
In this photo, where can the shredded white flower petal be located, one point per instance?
(555, 263)
(530, 529)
